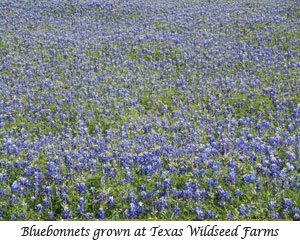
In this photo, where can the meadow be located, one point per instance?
(149, 109)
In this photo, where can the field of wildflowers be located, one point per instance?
(149, 109)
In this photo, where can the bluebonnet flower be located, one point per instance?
(231, 178)
(16, 187)
(67, 214)
(290, 156)
(143, 195)
(287, 204)
(249, 178)
(272, 205)
(210, 215)
(158, 185)
(81, 188)
(46, 203)
(223, 196)
(238, 193)
(13, 200)
(244, 211)
(128, 176)
(39, 208)
(275, 215)
(81, 207)
(211, 183)
(161, 204)
(93, 190)
(229, 216)
(3, 177)
(131, 212)
(296, 214)
(50, 215)
(100, 214)
(111, 202)
(176, 211)
(199, 213)
(167, 184)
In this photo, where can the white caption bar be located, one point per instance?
(113, 230)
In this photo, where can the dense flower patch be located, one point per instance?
(150, 109)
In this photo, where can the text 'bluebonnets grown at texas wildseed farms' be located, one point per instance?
(155, 231)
